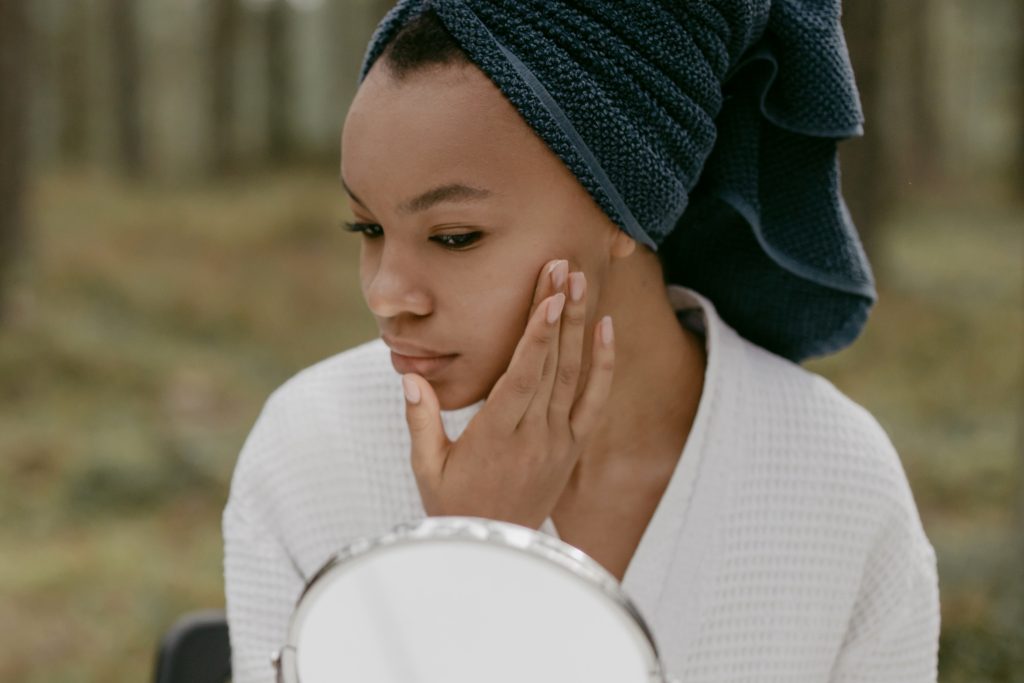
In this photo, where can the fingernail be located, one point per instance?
(412, 390)
(555, 307)
(559, 272)
(607, 334)
(576, 283)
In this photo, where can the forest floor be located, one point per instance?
(148, 326)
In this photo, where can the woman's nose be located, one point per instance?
(396, 287)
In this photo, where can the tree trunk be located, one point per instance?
(278, 81)
(223, 51)
(1020, 133)
(925, 142)
(14, 97)
(867, 185)
(74, 83)
(125, 43)
(1020, 408)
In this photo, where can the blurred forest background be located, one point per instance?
(169, 254)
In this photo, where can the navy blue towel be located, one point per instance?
(706, 130)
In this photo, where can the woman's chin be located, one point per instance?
(451, 396)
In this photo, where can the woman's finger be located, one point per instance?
(540, 404)
(587, 410)
(423, 415)
(570, 350)
(552, 280)
(507, 403)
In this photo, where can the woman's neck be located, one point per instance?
(658, 380)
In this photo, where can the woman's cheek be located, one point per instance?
(497, 332)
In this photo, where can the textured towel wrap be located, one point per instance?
(706, 130)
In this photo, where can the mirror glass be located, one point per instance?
(464, 611)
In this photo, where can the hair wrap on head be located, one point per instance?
(706, 130)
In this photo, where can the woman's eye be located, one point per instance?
(457, 241)
(452, 241)
(370, 230)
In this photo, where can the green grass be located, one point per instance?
(148, 326)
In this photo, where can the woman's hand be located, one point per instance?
(514, 458)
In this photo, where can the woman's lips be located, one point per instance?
(425, 366)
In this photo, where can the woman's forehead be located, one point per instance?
(447, 103)
(441, 126)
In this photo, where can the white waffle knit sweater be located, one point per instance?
(787, 546)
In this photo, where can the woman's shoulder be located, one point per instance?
(326, 459)
(358, 373)
(809, 446)
(356, 389)
(783, 402)
(321, 413)
(806, 410)
(795, 436)
(782, 411)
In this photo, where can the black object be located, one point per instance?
(195, 650)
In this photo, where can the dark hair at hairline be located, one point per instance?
(422, 43)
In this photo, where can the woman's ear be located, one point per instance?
(622, 244)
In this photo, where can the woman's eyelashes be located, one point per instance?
(460, 240)
(368, 229)
(454, 241)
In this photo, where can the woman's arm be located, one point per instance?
(894, 631)
(262, 586)
(262, 582)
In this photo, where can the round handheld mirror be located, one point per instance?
(464, 600)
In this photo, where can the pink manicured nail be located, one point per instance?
(559, 272)
(412, 390)
(555, 307)
(607, 334)
(576, 282)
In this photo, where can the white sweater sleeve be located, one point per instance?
(262, 582)
(262, 587)
(896, 641)
(893, 631)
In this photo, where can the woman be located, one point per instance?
(535, 183)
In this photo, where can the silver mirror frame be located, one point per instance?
(555, 551)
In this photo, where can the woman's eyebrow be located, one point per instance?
(449, 192)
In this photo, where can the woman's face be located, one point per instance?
(465, 205)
